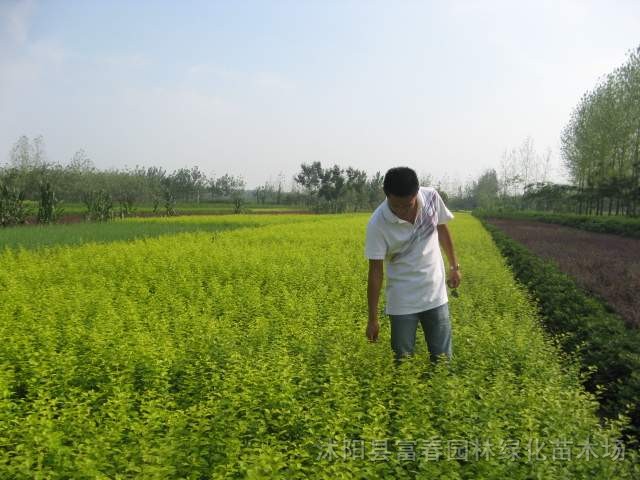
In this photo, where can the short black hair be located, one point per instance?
(401, 182)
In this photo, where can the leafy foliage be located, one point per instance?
(601, 143)
(99, 206)
(49, 209)
(13, 210)
(169, 203)
(336, 190)
(238, 354)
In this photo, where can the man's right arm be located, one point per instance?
(374, 286)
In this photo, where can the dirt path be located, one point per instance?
(606, 265)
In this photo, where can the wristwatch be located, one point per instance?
(454, 268)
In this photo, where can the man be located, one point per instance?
(404, 233)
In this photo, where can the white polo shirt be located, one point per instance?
(415, 268)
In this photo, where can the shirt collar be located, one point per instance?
(389, 216)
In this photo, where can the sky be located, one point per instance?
(255, 88)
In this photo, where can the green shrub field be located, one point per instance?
(241, 353)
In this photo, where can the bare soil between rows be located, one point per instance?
(608, 266)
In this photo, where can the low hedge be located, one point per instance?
(627, 226)
(609, 351)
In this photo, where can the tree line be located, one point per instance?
(333, 189)
(522, 172)
(336, 190)
(28, 167)
(601, 145)
(29, 176)
(600, 148)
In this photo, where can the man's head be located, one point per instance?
(401, 187)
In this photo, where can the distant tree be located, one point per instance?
(332, 182)
(229, 187)
(601, 143)
(280, 188)
(485, 190)
(375, 194)
(26, 154)
(547, 196)
(509, 177)
(356, 193)
(179, 183)
(527, 162)
(99, 206)
(266, 193)
(49, 209)
(310, 177)
(81, 163)
(198, 182)
(13, 210)
(426, 180)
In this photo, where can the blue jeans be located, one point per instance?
(436, 326)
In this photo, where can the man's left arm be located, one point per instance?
(444, 237)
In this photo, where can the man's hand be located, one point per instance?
(373, 327)
(454, 278)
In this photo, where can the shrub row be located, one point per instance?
(629, 227)
(584, 326)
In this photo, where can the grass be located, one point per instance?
(41, 236)
(181, 207)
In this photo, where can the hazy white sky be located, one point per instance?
(255, 88)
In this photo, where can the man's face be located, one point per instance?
(402, 206)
